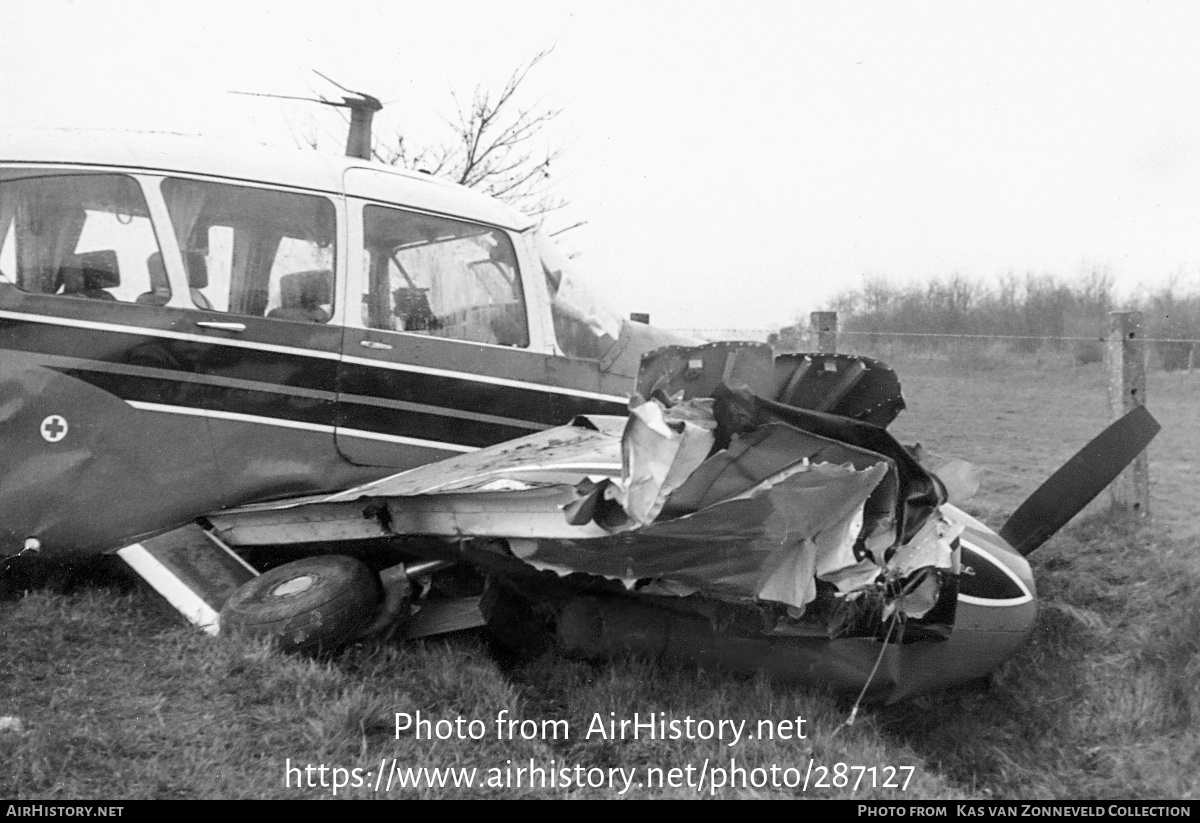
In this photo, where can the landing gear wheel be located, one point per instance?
(319, 603)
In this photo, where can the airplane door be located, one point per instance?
(262, 331)
(438, 359)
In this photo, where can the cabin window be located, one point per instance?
(255, 251)
(79, 235)
(583, 323)
(439, 277)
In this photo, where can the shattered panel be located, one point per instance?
(847, 385)
(822, 525)
(660, 449)
(720, 496)
(688, 372)
(763, 544)
(589, 446)
(920, 492)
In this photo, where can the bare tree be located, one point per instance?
(497, 146)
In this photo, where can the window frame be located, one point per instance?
(341, 244)
(144, 186)
(357, 288)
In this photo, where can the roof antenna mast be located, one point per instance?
(358, 141)
(362, 111)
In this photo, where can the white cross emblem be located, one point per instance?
(54, 428)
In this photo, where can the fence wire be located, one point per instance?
(764, 333)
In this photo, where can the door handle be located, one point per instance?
(220, 325)
(375, 344)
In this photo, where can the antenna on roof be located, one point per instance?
(362, 110)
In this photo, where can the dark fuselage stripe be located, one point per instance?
(377, 402)
(532, 405)
(433, 424)
(478, 396)
(288, 424)
(72, 365)
(187, 355)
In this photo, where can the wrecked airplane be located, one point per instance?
(215, 356)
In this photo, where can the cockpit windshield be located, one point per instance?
(584, 325)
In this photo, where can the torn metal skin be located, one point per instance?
(729, 530)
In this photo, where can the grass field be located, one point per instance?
(117, 699)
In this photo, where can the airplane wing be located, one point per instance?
(720, 496)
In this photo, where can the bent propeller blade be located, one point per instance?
(1079, 481)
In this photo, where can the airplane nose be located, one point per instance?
(995, 613)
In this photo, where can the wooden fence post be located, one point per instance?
(824, 326)
(1126, 389)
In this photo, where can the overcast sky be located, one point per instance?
(737, 164)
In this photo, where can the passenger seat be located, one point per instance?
(90, 274)
(197, 272)
(304, 295)
(160, 287)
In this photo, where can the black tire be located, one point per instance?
(314, 604)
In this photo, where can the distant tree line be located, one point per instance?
(1027, 314)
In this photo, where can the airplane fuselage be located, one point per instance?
(186, 329)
